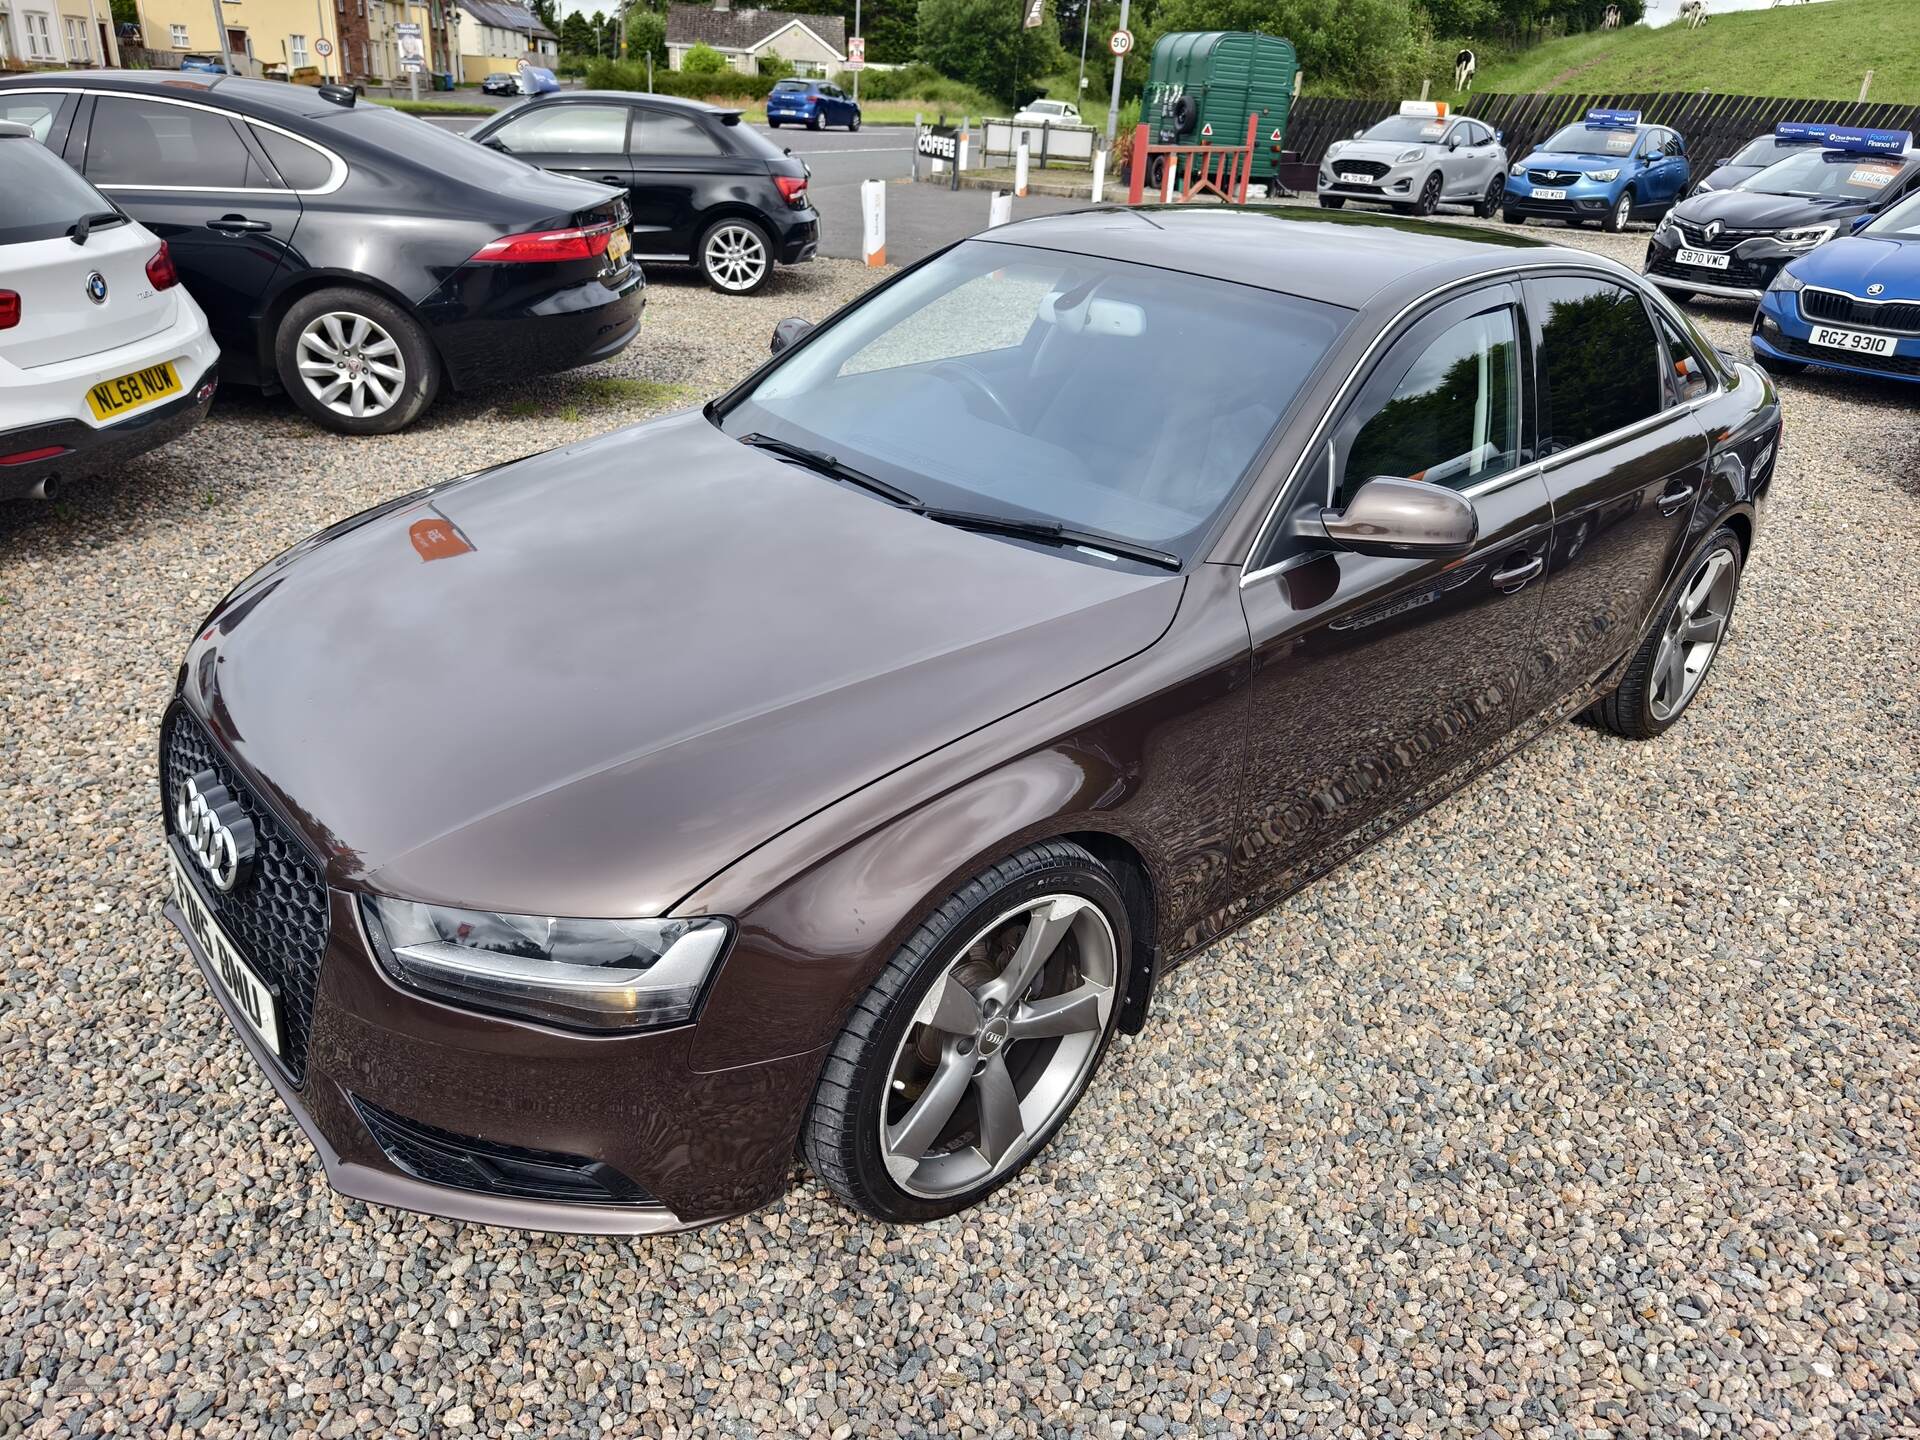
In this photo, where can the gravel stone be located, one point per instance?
(1585, 1106)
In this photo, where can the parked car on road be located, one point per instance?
(1731, 243)
(500, 82)
(861, 748)
(1852, 304)
(102, 354)
(812, 103)
(1048, 112)
(1609, 167)
(704, 188)
(355, 257)
(1417, 161)
(202, 65)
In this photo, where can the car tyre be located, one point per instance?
(814, 122)
(901, 1123)
(1620, 214)
(1332, 202)
(772, 124)
(1671, 665)
(1429, 200)
(854, 124)
(736, 255)
(1490, 202)
(343, 349)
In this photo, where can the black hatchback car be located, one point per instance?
(705, 189)
(357, 258)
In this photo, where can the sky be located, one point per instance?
(1665, 12)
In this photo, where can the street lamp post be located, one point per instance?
(220, 29)
(1086, 14)
(1113, 105)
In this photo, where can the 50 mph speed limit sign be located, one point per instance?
(1120, 42)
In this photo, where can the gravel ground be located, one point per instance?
(1584, 1107)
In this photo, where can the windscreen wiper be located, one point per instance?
(83, 227)
(825, 464)
(1052, 534)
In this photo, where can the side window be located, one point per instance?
(142, 142)
(1454, 418)
(566, 130)
(1600, 362)
(299, 164)
(659, 132)
(36, 112)
(1688, 376)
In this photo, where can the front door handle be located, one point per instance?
(237, 225)
(1676, 496)
(1519, 572)
(613, 179)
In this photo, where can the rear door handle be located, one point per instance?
(1519, 573)
(237, 225)
(613, 179)
(1672, 499)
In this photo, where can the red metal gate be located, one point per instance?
(1190, 171)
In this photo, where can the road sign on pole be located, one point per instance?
(1120, 42)
(1113, 106)
(1036, 12)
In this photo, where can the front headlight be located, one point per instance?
(1335, 148)
(1612, 174)
(1786, 282)
(589, 974)
(1406, 157)
(1519, 169)
(1804, 239)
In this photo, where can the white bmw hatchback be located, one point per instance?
(102, 354)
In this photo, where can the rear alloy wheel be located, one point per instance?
(814, 121)
(976, 1041)
(1620, 214)
(736, 256)
(1490, 202)
(1668, 669)
(354, 362)
(1429, 200)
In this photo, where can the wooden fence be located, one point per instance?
(1714, 125)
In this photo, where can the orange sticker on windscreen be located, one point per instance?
(1873, 177)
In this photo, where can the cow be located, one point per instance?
(1610, 18)
(1463, 68)
(1694, 12)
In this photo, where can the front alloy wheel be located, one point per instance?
(736, 257)
(1621, 213)
(976, 1040)
(1429, 196)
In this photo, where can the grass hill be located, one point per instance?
(1816, 52)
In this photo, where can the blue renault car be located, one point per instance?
(812, 103)
(1608, 167)
(1851, 304)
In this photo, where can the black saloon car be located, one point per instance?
(704, 188)
(500, 82)
(1001, 700)
(1749, 160)
(358, 258)
(1731, 243)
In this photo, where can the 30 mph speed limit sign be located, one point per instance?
(323, 47)
(1120, 42)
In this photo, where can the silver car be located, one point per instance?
(1416, 161)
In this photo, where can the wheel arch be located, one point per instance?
(306, 283)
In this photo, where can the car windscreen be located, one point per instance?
(1903, 219)
(40, 197)
(1829, 175)
(1407, 129)
(1592, 140)
(1038, 385)
(1764, 151)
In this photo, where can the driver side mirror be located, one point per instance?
(1453, 141)
(1860, 222)
(1724, 160)
(1405, 518)
(788, 333)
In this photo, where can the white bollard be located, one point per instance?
(966, 139)
(1166, 181)
(999, 209)
(873, 215)
(1020, 169)
(1099, 174)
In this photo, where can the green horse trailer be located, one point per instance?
(1203, 84)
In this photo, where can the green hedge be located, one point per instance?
(629, 75)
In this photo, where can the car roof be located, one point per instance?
(634, 97)
(263, 99)
(1338, 257)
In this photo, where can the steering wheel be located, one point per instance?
(976, 383)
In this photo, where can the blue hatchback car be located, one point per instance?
(1608, 167)
(1850, 304)
(812, 103)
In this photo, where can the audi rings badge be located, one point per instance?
(215, 829)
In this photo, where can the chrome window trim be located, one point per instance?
(334, 180)
(1513, 273)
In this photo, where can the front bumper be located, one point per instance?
(1584, 200)
(1780, 332)
(1395, 185)
(1751, 265)
(85, 448)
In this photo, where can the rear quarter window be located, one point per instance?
(40, 198)
(300, 165)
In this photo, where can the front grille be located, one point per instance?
(1555, 177)
(1740, 274)
(1697, 238)
(1823, 355)
(465, 1162)
(278, 915)
(1372, 169)
(1901, 316)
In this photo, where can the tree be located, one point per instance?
(126, 12)
(646, 34)
(703, 59)
(1363, 47)
(576, 35)
(547, 12)
(983, 43)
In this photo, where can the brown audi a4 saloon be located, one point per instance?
(837, 767)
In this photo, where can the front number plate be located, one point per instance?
(111, 399)
(1349, 177)
(248, 991)
(1549, 194)
(1706, 259)
(1855, 340)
